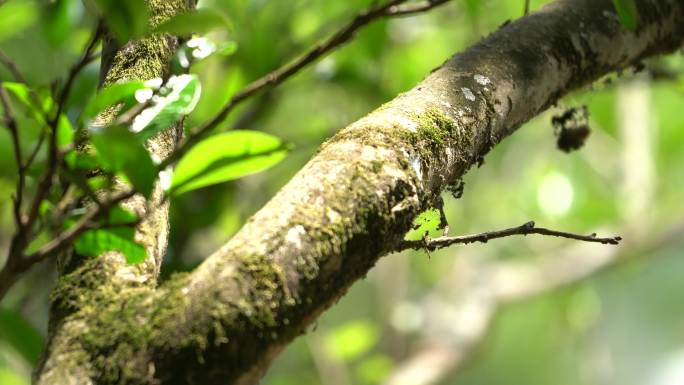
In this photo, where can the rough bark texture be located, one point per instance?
(351, 204)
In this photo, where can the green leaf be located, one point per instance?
(352, 340)
(16, 16)
(111, 95)
(426, 223)
(628, 14)
(200, 21)
(179, 96)
(65, 131)
(96, 242)
(9, 377)
(127, 19)
(20, 334)
(58, 22)
(225, 157)
(120, 238)
(120, 151)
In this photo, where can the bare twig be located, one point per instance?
(12, 67)
(13, 127)
(345, 34)
(527, 8)
(54, 155)
(413, 8)
(525, 229)
(62, 241)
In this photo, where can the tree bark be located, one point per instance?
(351, 204)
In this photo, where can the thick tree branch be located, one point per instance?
(351, 203)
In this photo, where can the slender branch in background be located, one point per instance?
(503, 283)
(413, 8)
(64, 240)
(525, 229)
(345, 34)
(11, 123)
(527, 8)
(12, 67)
(54, 154)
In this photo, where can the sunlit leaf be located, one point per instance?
(351, 340)
(127, 19)
(628, 14)
(178, 97)
(200, 21)
(20, 335)
(117, 234)
(426, 223)
(16, 15)
(225, 157)
(111, 95)
(120, 151)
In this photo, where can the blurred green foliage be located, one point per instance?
(621, 327)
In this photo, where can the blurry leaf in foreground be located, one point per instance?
(121, 151)
(16, 15)
(111, 95)
(627, 12)
(427, 222)
(8, 377)
(351, 340)
(200, 21)
(127, 19)
(58, 21)
(374, 369)
(225, 157)
(178, 97)
(20, 335)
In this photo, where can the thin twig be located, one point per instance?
(12, 67)
(13, 127)
(527, 8)
(64, 240)
(525, 229)
(345, 34)
(413, 8)
(54, 154)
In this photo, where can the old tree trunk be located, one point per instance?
(352, 203)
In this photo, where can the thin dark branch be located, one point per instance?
(413, 8)
(12, 67)
(13, 127)
(345, 34)
(54, 155)
(525, 229)
(64, 240)
(527, 8)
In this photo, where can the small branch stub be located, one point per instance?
(524, 229)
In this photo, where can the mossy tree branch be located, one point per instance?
(352, 203)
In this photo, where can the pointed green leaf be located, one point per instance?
(96, 242)
(628, 14)
(225, 157)
(111, 95)
(120, 151)
(179, 96)
(200, 21)
(18, 333)
(426, 223)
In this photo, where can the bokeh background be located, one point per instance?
(524, 310)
